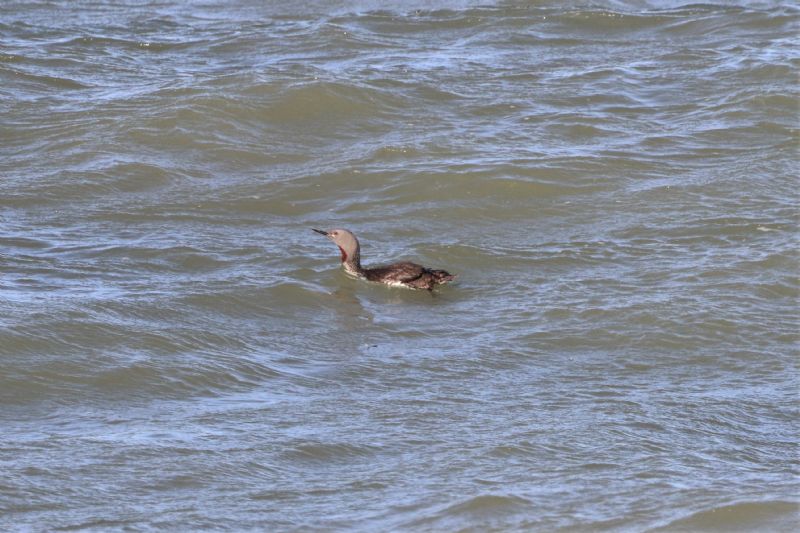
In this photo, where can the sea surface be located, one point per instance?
(615, 183)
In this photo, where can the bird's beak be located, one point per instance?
(320, 231)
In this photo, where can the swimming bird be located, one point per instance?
(404, 274)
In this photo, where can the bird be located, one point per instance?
(403, 274)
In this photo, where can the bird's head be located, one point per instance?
(344, 239)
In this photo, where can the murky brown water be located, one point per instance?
(615, 183)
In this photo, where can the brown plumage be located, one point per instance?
(403, 274)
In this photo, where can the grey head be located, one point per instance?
(347, 243)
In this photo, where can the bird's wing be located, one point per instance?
(397, 273)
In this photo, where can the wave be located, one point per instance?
(492, 511)
(775, 516)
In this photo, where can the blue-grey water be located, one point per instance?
(613, 182)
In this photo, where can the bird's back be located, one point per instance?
(408, 274)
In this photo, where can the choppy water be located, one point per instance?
(613, 182)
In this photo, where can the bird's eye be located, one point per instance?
(335, 233)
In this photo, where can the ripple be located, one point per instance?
(329, 101)
(41, 81)
(320, 452)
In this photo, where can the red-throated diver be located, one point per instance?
(409, 275)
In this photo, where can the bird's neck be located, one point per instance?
(352, 261)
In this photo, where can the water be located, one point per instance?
(613, 182)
